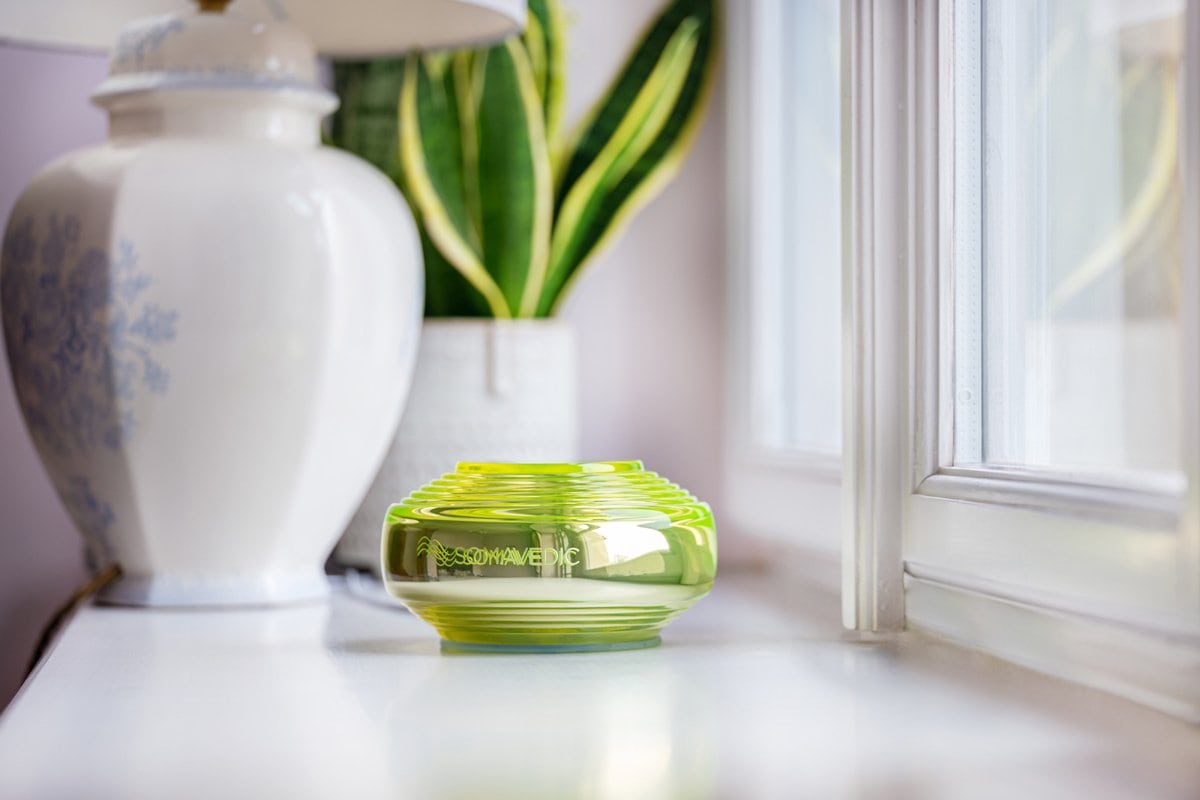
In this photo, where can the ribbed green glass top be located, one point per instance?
(577, 493)
(589, 468)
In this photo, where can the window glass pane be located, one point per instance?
(803, 370)
(1072, 317)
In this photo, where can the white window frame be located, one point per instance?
(1091, 582)
(788, 498)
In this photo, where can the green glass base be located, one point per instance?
(531, 614)
(449, 646)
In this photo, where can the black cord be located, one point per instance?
(93, 585)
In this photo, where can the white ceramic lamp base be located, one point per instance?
(211, 320)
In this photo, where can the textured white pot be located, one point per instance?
(211, 320)
(484, 390)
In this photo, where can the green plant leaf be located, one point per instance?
(634, 140)
(447, 292)
(600, 123)
(467, 85)
(515, 187)
(431, 156)
(474, 149)
(365, 123)
(545, 41)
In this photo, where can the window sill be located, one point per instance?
(756, 692)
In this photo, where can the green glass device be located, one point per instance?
(549, 557)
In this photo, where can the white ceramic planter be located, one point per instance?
(211, 320)
(484, 390)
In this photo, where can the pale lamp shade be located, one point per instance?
(347, 28)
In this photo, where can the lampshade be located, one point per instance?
(347, 28)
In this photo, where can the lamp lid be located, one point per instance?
(210, 50)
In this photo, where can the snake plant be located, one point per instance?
(509, 209)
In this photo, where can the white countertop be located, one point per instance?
(754, 693)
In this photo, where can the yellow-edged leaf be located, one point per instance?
(444, 231)
(641, 125)
(516, 192)
(466, 93)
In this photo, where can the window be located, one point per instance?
(783, 454)
(1067, 257)
(1024, 457)
(1021, 306)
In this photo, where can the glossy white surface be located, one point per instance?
(753, 694)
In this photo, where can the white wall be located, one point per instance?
(648, 313)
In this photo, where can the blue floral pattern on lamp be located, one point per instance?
(93, 516)
(135, 45)
(82, 338)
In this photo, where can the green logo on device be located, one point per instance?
(445, 556)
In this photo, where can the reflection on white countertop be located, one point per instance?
(754, 693)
